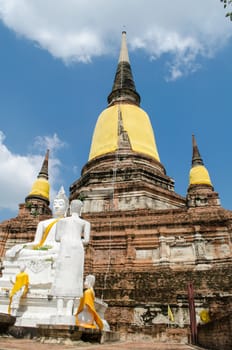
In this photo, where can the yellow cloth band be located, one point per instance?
(88, 300)
(45, 234)
(21, 280)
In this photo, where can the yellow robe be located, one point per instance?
(21, 280)
(88, 300)
(45, 234)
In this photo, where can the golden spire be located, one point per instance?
(198, 174)
(123, 89)
(40, 188)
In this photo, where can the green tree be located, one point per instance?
(226, 4)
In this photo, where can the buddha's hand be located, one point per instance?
(85, 242)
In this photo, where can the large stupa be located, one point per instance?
(148, 242)
(124, 163)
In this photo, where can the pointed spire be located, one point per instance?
(196, 158)
(41, 187)
(124, 57)
(124, 87)
(44, 169)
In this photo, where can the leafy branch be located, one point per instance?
(226, 4)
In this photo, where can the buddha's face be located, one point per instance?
(22, 267)
(59, 207)
(89, 281)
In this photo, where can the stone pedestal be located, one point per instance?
(77, 333)
(6, 321)
(63, 320)
(39, 306)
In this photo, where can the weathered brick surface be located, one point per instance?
(216, 335)
(126, 283)
(153, 290)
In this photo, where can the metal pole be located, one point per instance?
(192, 314)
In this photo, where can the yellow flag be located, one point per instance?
(170, 314)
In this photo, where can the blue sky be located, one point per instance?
(57, 68)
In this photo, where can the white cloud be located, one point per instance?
(53, 143)
(78, 30)
(18, 172)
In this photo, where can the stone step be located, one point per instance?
(73, 333)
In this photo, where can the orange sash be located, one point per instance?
(21, 280)
(88, 300)
(45, 234)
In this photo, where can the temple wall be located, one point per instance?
(216, 335)
(143, 261)
(140, 299)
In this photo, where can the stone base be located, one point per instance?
(77, 333)
(73, 333)
(63, 320)
(39, 306)
(20, 332)
(38, 309)
(6, 321)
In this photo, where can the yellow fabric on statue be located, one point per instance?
(45, 234)
(21, 280)
(88, 300)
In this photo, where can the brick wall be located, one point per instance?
(162, 285)
(216, 335)
(125, 292)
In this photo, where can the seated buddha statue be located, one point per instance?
(44, 243)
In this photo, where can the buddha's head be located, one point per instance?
(60, 204)
(22, 267)
(76, 206)
(89, 281)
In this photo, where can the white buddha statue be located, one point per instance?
(19, 290)
(44, 243)
(72, 233)
(87, 316)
